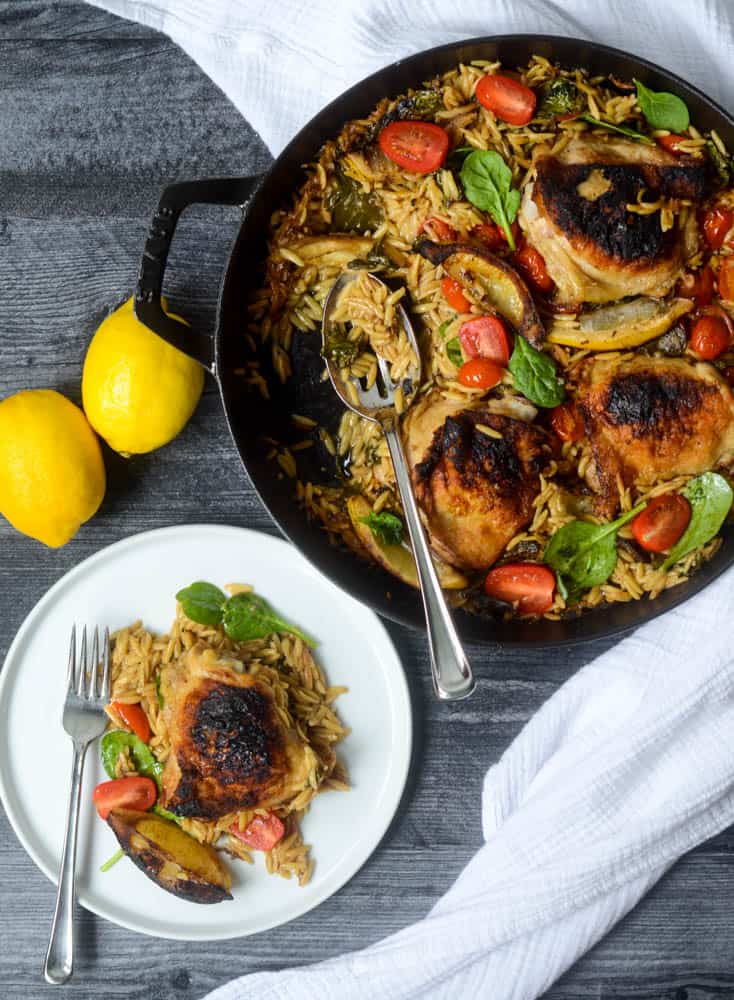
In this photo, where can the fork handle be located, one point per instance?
(450, 669)
(59, 963)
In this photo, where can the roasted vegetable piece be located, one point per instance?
(617, 327)
(352, 209)
(498, 283)
(171, 858)
(559, 97)
(397, 559)
(335, 251)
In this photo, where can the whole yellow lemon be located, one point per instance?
(138, 391)
(52, 476)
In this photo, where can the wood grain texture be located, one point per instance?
(96, 116)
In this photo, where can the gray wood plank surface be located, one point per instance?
(96, 115)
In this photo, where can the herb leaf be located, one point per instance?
(487, 183)
(453, 352)
(662, 110)
(710, 497)
(621, 129)
(534, 375)
(202, 602)
(386, 527)
(249, 616)
(722, 164)
(117, 740)
(443, 328)
(584, 555)
(559, 97)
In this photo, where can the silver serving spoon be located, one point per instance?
(450, 669)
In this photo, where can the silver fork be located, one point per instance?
(450, 668)
(84, 719)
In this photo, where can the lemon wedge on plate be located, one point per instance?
(620, 326)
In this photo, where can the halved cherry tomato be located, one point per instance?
(453, 292)
(493, 236)
(528, 586)
(710, 337)
(262, 833)
(671, 142)
(716, 224)
(480, 373)
(485, 337)
(698, 285)
(725, 280)
(659, 526)
(420, 147)
(509, 99)
(134, 718)
(567, 423)
(438, 228)
(133, 792)
(532, 265)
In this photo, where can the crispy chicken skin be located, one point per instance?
(575, 213)
(229, 748)
(475, 491)
(652, 418)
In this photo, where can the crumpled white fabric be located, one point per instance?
(631, 763)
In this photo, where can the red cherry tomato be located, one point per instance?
(532, 265)
(134, 718)
(419, 147)
(485, 337)
(671, 142)
(567, 423)
(438, 228)
(659, 526)
(509, 99)
(262, 833)
(716, 224)
(698, 285)
(710, 337)
(725, 280)
(493, 236)
(124, 793)
(528, 586)
(480, 373)
(453, 292)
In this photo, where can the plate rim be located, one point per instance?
(398, 689)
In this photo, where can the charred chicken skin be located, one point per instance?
(652, 418)
(229, 748)
(576, 215)
(475, 489)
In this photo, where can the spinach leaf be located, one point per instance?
(158, 690)
(117, 740)
(534, 375)
(339, 348)
(165, 814)
(662, 110)
(352, 209)
(249, 616)
(722, 164)
(202, 602)
(487, 183)
(386, 527)
(443, 328)
(453, 352)
(584, 555)
(710, 497)
(559, 97)
(621, 129)
(457, 156)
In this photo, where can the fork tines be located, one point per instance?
(89, 678)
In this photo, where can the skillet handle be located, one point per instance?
(148, 307)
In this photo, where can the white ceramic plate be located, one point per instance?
(137, 578)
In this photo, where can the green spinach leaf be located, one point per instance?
(352, 209)
(249, 616)
(620, 129)
(722, 164)
(584, 555)
(443, 328)
(453, 352)
(534, 375)
(202, 602)
(117, 740)
(662, 110)
(386, 527)
(487, 183)
(710, 497)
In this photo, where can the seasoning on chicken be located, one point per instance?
(476, 475)
(229, 748)
(596, 249)
(652, 418)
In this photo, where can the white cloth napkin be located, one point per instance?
(631, 763)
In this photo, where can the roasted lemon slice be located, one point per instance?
(620, 326)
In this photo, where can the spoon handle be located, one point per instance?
(450, 669)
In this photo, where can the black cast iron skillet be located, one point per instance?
(250, 417)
